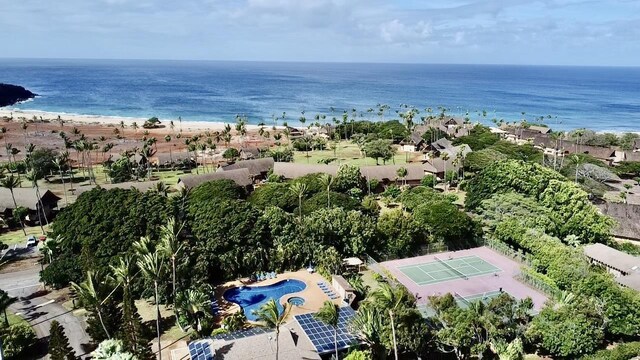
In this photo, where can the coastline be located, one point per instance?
(112, 121)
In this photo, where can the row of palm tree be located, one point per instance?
(151, 260)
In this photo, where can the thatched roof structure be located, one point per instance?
(627, 216)
(256, 167)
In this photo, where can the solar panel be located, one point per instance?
(321, 334)
(200, 350)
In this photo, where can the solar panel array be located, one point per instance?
(241, 334)
(321, 334)
(200, 350)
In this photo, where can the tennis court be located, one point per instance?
(441, 270)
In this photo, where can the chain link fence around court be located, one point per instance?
(527, 274)
(423, 250)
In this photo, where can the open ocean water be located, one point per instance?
(599, 98)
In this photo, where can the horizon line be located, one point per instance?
(317, 62)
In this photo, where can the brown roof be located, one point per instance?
(292, 171)
(342, 282)
(166, 158)
(141, 186)
(631, 281)
(627, 216)
(612, 258)
(25, 197)
(390, 172)
(241, 177)
(255, 166)
(540, 129)
(632, 156)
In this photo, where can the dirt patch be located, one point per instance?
(19, 265)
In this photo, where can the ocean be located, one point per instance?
(599, 98)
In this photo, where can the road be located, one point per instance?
(39, 311)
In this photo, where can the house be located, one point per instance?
(540, 129)
(170, 160)
(636, 145)
(248, 153)
(142, 186)
(628, 218)
(615, 261)
(631, 281)
(258, 168)
(388, 174)
(413, 144)
(40, 207)
(444, 146)
(242, 177)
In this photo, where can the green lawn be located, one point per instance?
(14, 319)
(17, 236)
(346, 153)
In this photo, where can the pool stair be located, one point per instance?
(327, 290)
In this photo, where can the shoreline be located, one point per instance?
(187, 125)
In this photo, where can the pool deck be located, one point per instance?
(312, 294)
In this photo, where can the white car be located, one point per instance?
(32, 241)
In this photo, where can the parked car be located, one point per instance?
(32, 241)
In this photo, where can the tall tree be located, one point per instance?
(170, 247)
(11, 182)
(271, 317)
(91, 298)
(59, 348)
(5, 301)
(151, 266)
(330, 315)
(299, 189)
(327, 180)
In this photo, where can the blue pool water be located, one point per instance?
(296, 301)
(251, 298)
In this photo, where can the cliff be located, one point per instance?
(12, 94)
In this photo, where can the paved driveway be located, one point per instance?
(40, 311)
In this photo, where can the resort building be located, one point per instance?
(258, 168)
(242, 177)
(174, 159)
(616, 262)
(39, 207)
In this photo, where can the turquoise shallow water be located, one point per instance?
(251, 298)
(598, 98)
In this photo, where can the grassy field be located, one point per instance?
(17, 236)
(14, 319)
(346, 153)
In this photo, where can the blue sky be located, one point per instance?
(562, 32)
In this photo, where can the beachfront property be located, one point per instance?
(624, 267)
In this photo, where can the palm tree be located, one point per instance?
(389, 298)
(193, 303)
(5, 301)
(330, 314)
(271, 317)
(7, 146)
(327, 180)
(89, 295)
(445, 157)
(170, 246)
(299, 189)
(402, 173)
(61, 161)
(151, 266)
(11, 182)
(33, 176)
(370, 327)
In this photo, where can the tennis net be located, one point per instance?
(452, 268)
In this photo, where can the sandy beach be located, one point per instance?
(189, 126)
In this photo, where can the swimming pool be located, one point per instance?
(251, 298)
(296, 301)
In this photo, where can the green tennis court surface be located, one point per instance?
(442, 270)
